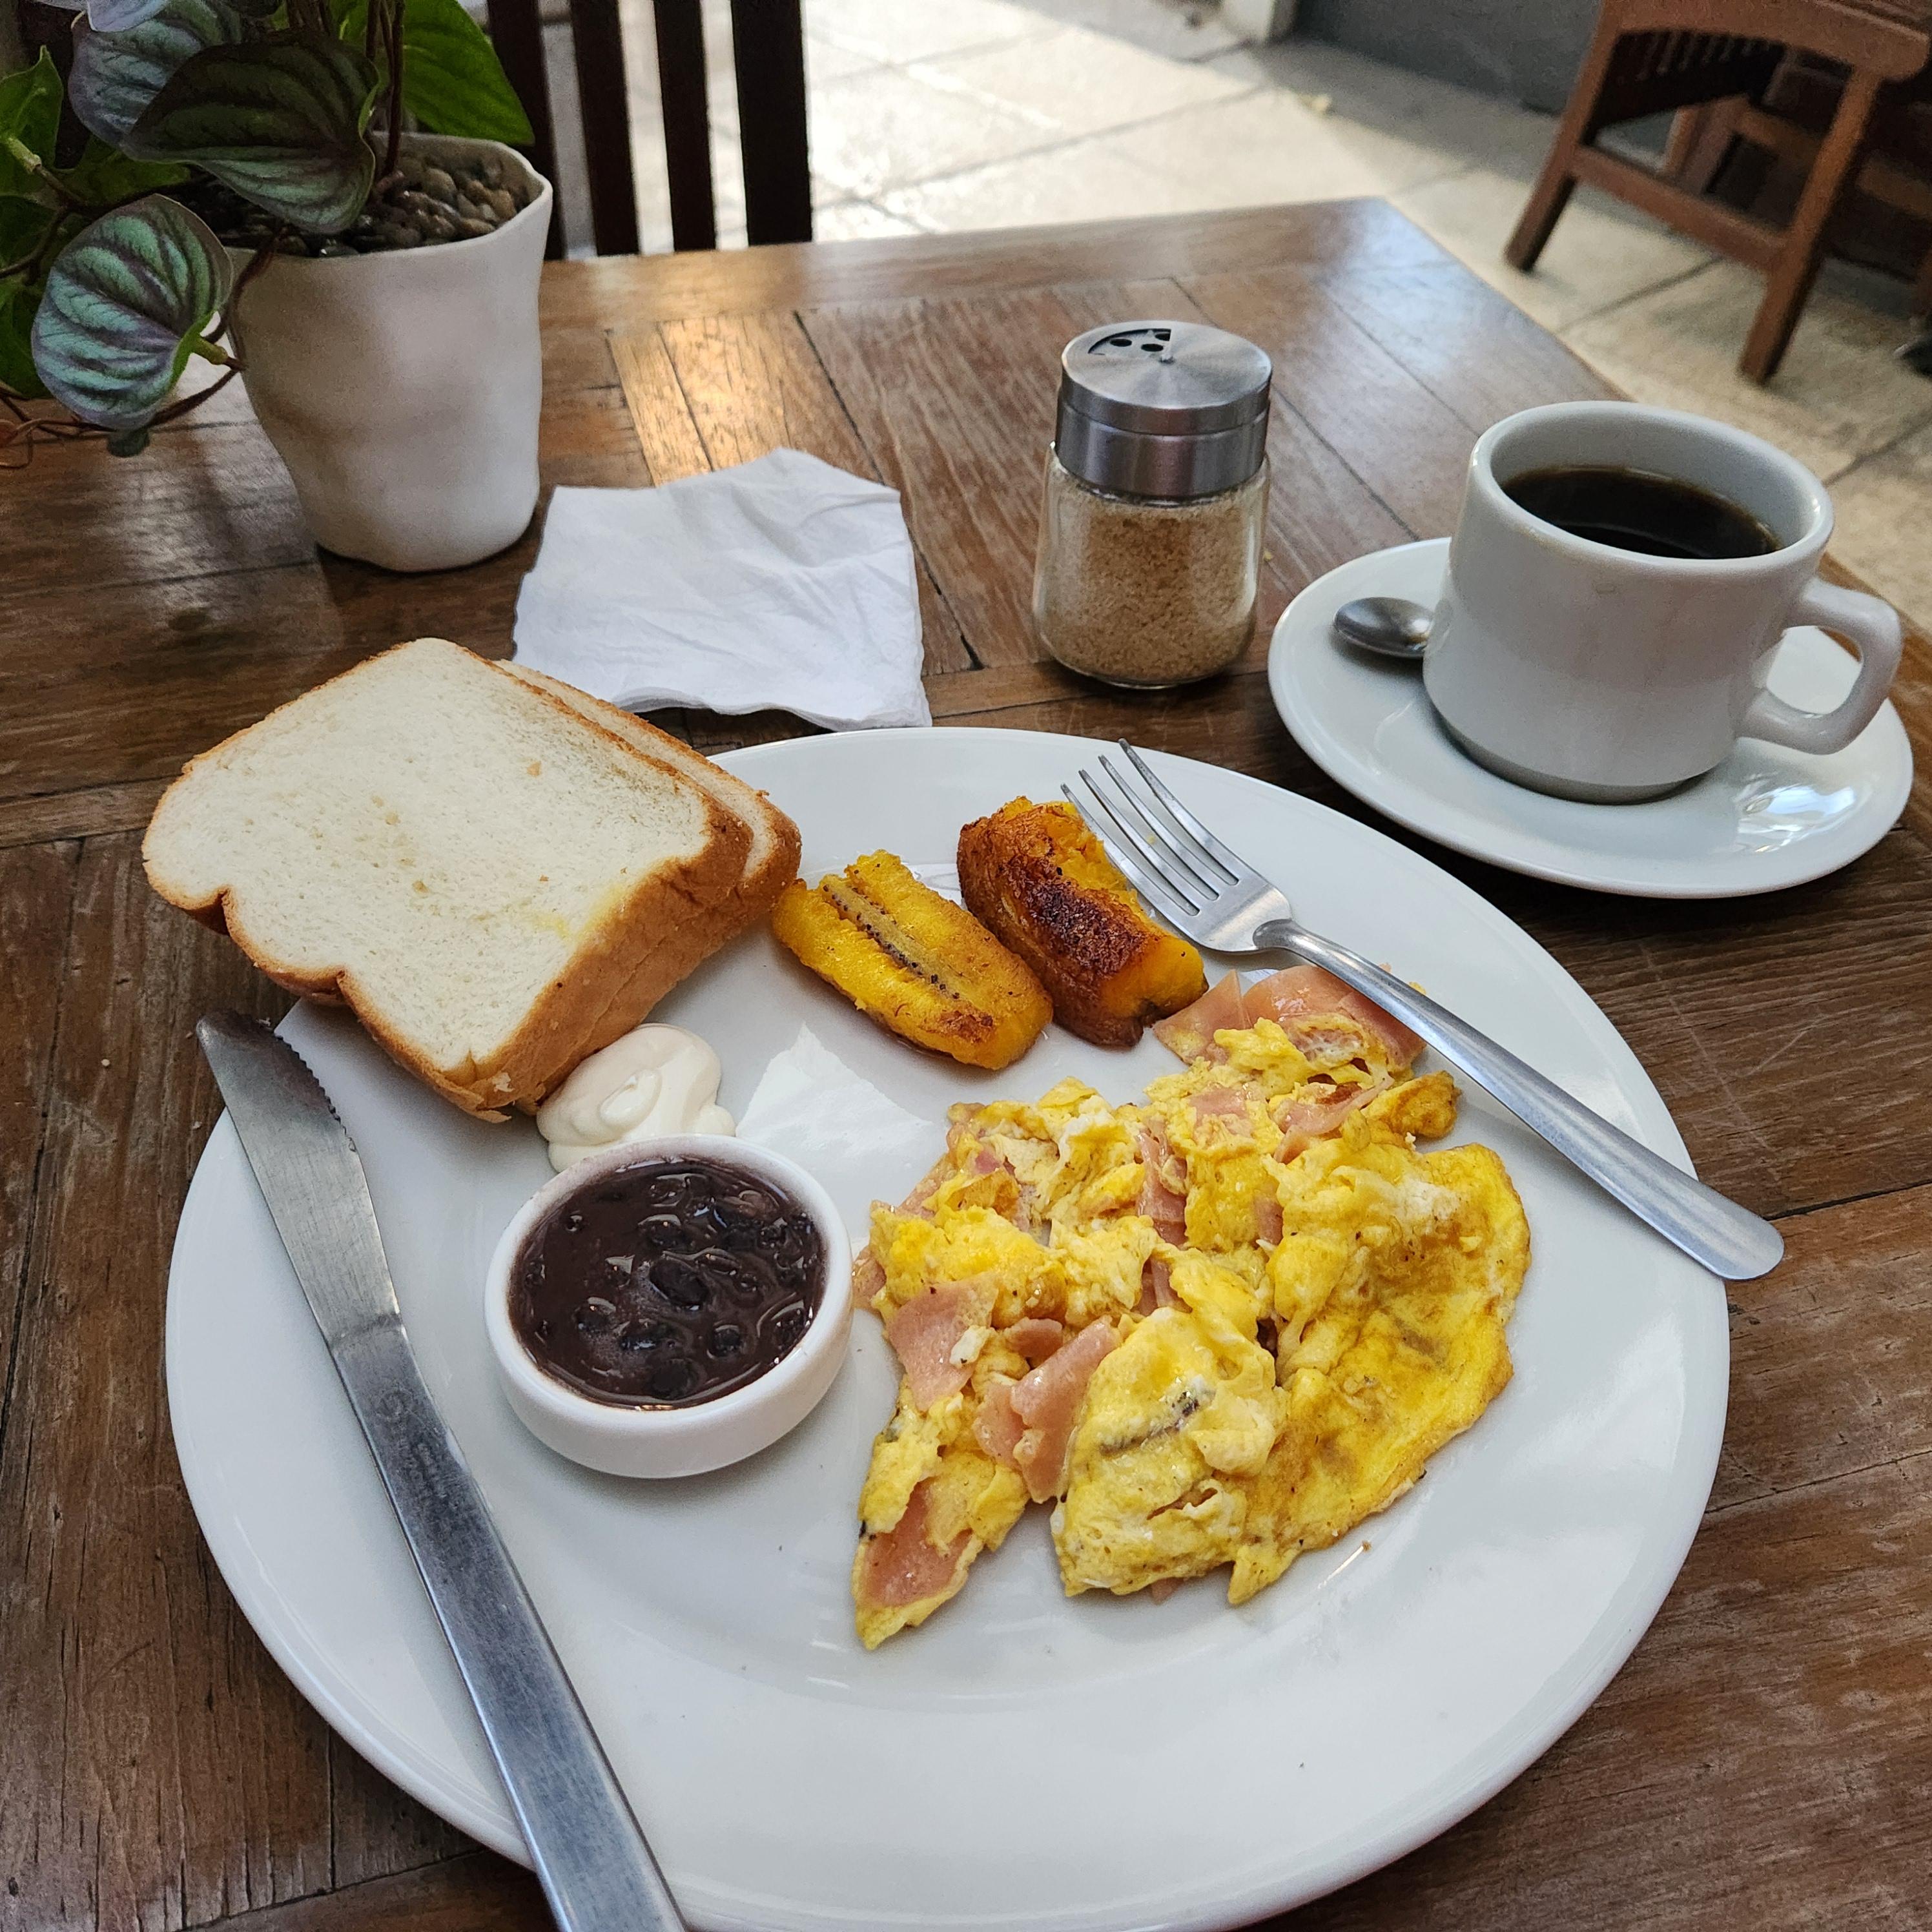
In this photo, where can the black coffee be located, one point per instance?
(1633, 509)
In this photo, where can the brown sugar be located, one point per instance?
(1146, 592)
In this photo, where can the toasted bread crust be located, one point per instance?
(635, 956)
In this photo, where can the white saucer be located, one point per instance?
(1767, 817)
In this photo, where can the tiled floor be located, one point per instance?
(988, 113)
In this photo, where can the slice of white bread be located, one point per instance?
(771, 863)
(493, 882)
(771, 858)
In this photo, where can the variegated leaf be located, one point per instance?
(125, 300)
(280, 121)
(116, 75)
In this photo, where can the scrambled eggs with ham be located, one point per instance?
(1216, 1328)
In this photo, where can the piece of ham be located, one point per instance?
(1307, 992)
(869, 1276)
(1190, 1033)
(997, 1427)
(1036, 1336)
(1296, 993)
(1220, 1103)
(900, 1566)
(983, 1159)
(1303, 1121)
(1156, 1286)
(926, 1332)
(919, 1201)
(1267, 1219)
(1048, 1400)
(1163, 1205)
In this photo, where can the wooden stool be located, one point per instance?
(1712, 60)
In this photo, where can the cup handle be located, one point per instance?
(1872, 626)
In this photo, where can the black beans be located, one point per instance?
(639, 1336)
(668, 1281)
(675, 1280)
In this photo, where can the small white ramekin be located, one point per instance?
(683, 1442)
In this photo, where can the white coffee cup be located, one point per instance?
(1606, 674)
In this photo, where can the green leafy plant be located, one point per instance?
(258, 114)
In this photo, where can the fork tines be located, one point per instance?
(1154, 839)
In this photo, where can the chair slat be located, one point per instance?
(768, 52)
(603, 100)
(517, 30)
(687, 123)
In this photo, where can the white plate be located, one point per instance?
(1024, 1761)
(1766, 817)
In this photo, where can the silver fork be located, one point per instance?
(1218, 900)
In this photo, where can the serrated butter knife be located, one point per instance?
(596, 1870)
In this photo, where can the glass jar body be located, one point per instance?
(1147, 592)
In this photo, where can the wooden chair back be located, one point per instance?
(768, 60)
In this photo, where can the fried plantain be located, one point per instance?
(1041, 881)
(918, 963)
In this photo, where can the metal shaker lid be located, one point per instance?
(1162, 408)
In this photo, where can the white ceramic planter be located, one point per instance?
(402, 389)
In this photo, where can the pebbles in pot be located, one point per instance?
(450, 198)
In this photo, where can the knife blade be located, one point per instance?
(597, 1871)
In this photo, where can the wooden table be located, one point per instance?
(1764, 1759)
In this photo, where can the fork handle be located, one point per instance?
(1729, 1240)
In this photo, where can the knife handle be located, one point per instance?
(596, 1870)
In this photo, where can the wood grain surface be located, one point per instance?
(1764, 1759)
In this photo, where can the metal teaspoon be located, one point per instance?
(1392, 627)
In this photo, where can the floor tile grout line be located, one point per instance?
(1916, 427)
(1054, 147)
(1463, 165)
(1669, 281)
(901, 62)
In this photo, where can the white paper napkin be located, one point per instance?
(810, 1106)
(782, 582)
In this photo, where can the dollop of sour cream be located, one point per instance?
(654, 1080)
